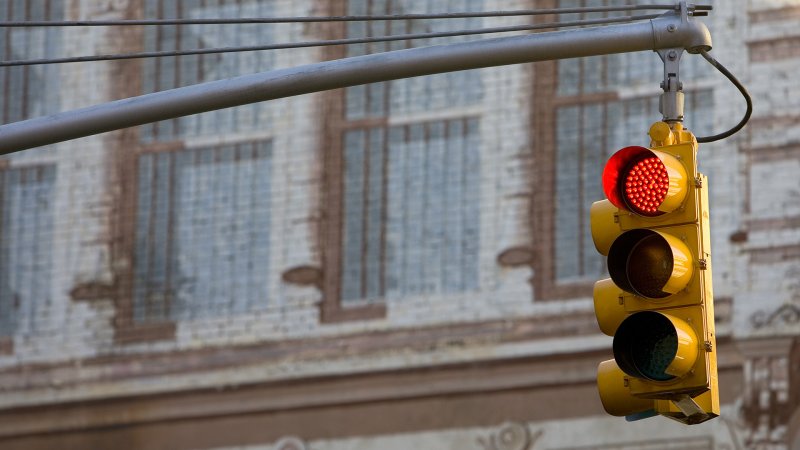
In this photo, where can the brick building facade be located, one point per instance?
(390, 266)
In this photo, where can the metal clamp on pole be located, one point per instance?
(672, 100)
(671, 103)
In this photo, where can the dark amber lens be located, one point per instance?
(650, 265)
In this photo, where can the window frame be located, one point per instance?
(127, 330)
(26, 104)
(7, 341)
(127, 146)
(545, 106)
(337, 125)
(48, 72)
(545, 103)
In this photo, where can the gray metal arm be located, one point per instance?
(665, 32)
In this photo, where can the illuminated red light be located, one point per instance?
(646, 186)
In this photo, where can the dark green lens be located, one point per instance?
(645, 344)
(655, 351)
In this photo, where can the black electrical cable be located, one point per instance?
(205, 51)
(744, 92)
(360, 18)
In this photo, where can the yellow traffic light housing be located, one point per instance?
(658, 301)
(616, 397)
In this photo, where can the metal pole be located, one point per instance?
(668, 31)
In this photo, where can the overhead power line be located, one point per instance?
(273, 20)
(283, 46)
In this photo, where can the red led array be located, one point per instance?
(646, 186)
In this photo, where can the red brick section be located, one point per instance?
(786, 13)
(6, 346)
(775, 122)
(778, 153)
(774, 255)
(774, 49)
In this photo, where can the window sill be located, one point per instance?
(142, 333)
(339, 314)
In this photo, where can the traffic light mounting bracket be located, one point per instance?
(671, 103)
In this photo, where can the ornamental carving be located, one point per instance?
(771, 393)
(787, 314)
(511, 436)
(290, 443)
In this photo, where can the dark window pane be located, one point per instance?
(26, 231)
(160, 74)
(202, 237)
(30, 91)
(567, 198)
(419, 94)
(355, 152)
(427, 240)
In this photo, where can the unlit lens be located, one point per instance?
(654, 351)
(645, 345)
(649, 266)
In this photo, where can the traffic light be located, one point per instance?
(658, 302)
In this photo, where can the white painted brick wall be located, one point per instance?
(83, 206)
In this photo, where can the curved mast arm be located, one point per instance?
(668, 31)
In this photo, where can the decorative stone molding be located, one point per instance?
(290, 443)
(511, 436)
(771, 393)
(515, 257)
(787, 314)
(304, 276)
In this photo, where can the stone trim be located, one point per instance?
(121, 367)
(473, 394)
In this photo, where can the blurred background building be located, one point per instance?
(393, 266)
